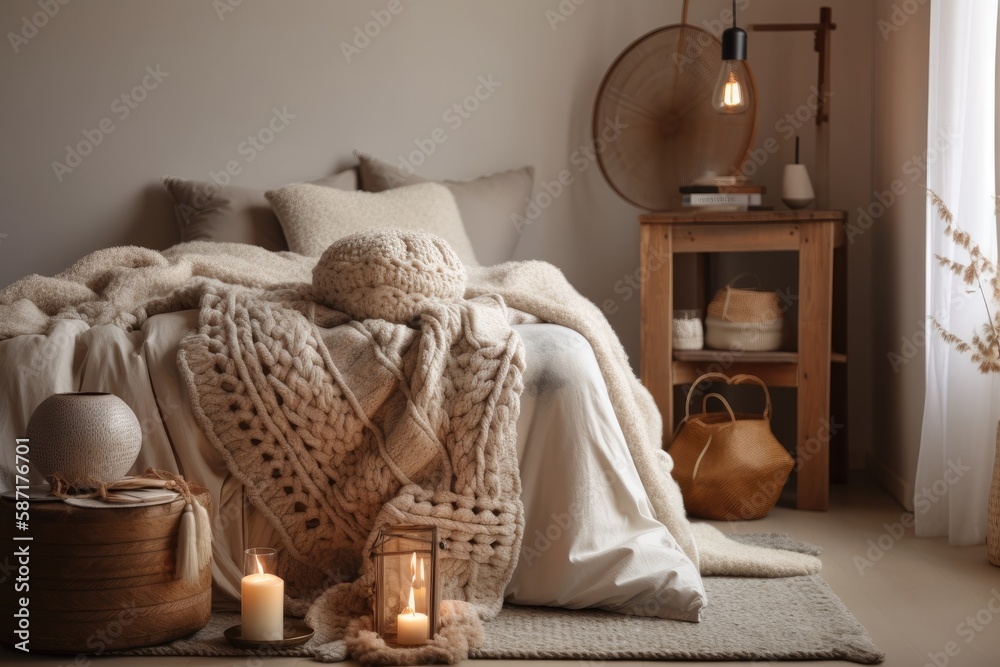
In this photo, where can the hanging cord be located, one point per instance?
(194, 535)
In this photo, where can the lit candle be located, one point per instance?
(263, 606)
(418, 586)
(411, 627)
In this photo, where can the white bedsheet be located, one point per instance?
(591, 538)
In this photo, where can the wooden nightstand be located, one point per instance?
(102, 579)
(813, 235)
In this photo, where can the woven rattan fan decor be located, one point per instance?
(659, 90)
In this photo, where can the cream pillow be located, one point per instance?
(313, 216)
(488, 204)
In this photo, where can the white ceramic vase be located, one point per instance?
(796, 188)
(86, 437)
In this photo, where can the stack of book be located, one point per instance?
(742, 197)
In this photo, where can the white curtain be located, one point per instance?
(962, 406)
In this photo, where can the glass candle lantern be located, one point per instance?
(263, 596)
(407, 590)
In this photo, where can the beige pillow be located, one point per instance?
(313, 216)
(209, 212)
(487, 204)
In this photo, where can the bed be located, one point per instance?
(603, 524)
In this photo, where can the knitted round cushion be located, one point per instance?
(388, 273)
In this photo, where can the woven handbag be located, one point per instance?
(744, 319)
(729, 465)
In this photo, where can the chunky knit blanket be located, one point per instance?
(265, 338)
(338, 432)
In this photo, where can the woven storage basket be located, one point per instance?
(744, 319)
(747, 336)
(993, 511)
(729, 466)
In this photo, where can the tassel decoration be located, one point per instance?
(194, 542)
(204, 525)
(186, 566)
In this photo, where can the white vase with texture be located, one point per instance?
(87, 438)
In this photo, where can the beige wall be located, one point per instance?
(227, 74)
(899, 246)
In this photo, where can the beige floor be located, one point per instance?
(918, 597)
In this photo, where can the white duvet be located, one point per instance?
(591, 539)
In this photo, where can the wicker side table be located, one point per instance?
(101, 580)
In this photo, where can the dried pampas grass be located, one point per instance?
(981, 275)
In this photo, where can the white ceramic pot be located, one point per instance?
(796, 188)
(86, 437)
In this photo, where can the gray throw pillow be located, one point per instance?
(233, 214)
(487, 203)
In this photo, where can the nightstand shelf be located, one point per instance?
(813, 235)
(777, 369)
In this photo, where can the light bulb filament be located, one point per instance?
(732, 95)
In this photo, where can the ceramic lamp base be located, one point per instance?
(796, 188)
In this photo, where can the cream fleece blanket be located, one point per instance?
(126, 285)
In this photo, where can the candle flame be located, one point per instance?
(412, 604)
(260, 565)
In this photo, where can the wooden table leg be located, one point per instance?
(815, 313)
(657, 306)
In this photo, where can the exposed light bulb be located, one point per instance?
(732, 90)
